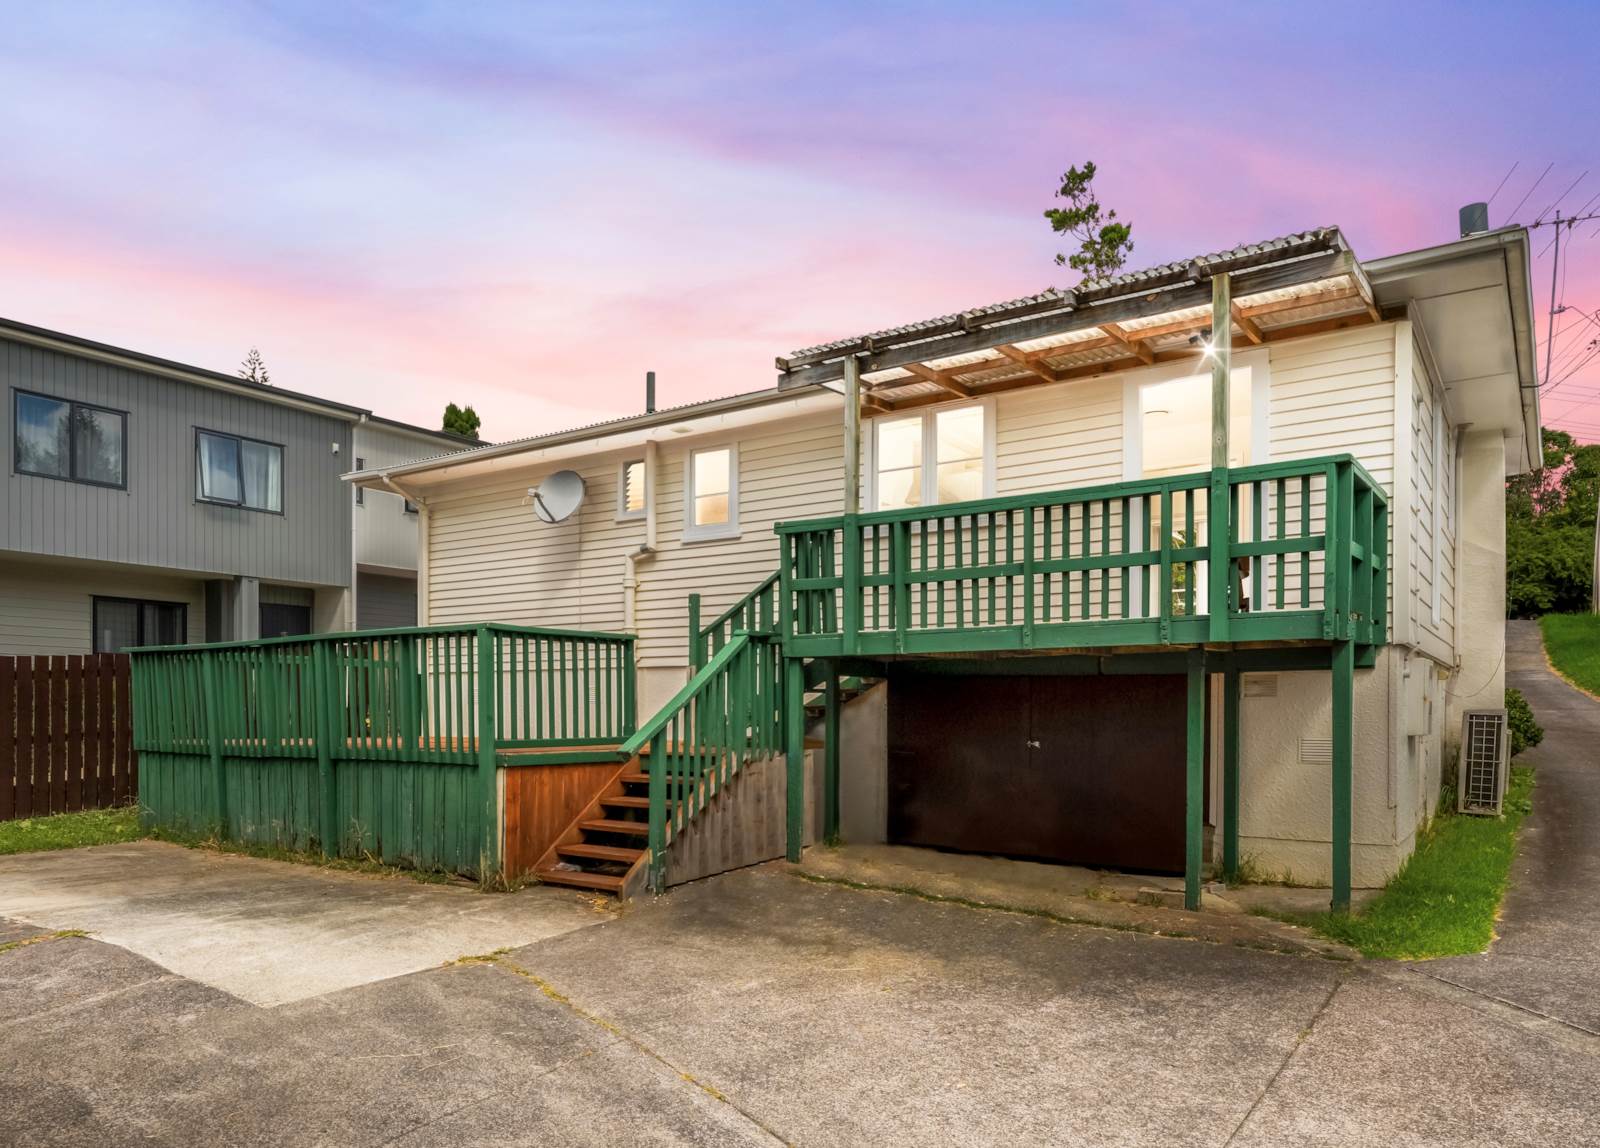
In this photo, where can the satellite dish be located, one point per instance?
(557, 497)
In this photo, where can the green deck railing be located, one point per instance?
(755, 613)
(728, 714)
(1301, 555)
(389, 740)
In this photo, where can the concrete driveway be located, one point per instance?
(1547, 958)
(265, 931)
(759, 1008)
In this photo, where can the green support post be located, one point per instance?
(1194, 790)
(1344, 666)
(830, 782)
(1230, 773)
(697, 641)
(488, 782)
(794, 738)
(654, 762)
(322, 695)
(219, 781)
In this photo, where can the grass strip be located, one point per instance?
(1444, 900)
(1572, 643)
(70, 830)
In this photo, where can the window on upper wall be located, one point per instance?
(711, 507)
(632, 497)
(410, 507)
(361, 491)
(238, 471)
(123, 622)
(59, 438)
(941, 455)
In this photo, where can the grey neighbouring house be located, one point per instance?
(149, 502)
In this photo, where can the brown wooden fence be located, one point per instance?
(66, 734)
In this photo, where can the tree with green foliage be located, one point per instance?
(254, 369)
(1550, 517)
(1104, 244)
(461, 420)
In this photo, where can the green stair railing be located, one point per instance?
(755, 613)
(1301, 555)
(729, 713)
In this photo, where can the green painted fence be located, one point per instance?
(1301, 554)
(383, 743)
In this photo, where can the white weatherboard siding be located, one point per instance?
(489, 558)
(47, 607)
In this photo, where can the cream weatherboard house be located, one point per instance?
(1036, 636)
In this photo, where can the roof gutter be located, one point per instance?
(669, 417)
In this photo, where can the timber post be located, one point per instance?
(488, 781)
(1230, 773)
(830, 774)
(794, 739)
(322, 691)
(1194, 789)
(219, 780)
(1219, 571)
(1344, 664)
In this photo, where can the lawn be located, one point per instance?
(70, 830)
(1443, 901)
(1572, 642)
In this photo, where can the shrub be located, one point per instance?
(1525, 731)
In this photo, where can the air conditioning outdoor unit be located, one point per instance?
(1485, 753)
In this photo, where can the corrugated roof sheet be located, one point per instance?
(1130, 283)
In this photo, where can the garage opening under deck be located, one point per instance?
(1159, 583)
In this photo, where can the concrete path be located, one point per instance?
(266, 931)
(760, 1008)
(1547, 957)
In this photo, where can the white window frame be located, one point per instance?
(623, 513)
(930, 462)
(693, 531)
(1440, 446)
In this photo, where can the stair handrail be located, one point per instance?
(726, 713)
(748, 610)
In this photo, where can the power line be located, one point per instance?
(1560, 197)
(1501, 184)
(1513, 213)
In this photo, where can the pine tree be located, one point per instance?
(254, 369)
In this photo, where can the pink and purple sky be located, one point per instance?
(525, 207)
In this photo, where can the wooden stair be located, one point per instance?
(605, 847)
(603, 850)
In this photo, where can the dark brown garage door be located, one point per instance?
(1088, 770)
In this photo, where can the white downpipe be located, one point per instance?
(630, 561)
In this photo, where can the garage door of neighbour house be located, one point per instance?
(282, 620)
(1086, 770)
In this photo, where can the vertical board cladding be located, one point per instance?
(385, 534)
(491, 559)
(157, 520)
(422, 815)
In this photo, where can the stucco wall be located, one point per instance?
(1480, 638)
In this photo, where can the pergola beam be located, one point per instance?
(1247, 325)
(1134, 343)
(945, 379)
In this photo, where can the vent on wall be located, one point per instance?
(1260, 685)
(1316, 751)
(1481, 784)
